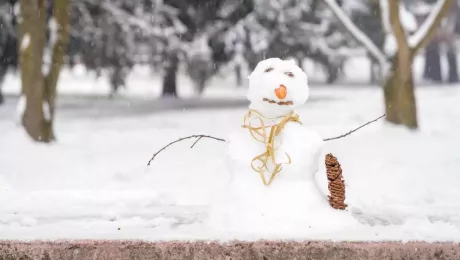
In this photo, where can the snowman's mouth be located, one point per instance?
(281, 103)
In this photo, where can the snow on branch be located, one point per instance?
(429, 26)
(133, 20)
(359, 35)
(126, 17)
(408, 20)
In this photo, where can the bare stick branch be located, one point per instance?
(354, 130)
(184, 138)
(198, 139)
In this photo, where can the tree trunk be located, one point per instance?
(375, 73)
(400, 105)
(372, 75)
(399, 86)
(3, 71)
(58, 51)
(406, 95)
(389, 94)
(169, 79)
(300, 62)
(31, 47)
(238, 74)
(333, 73)
(432, 69)
(200, 82)
(116, 79)
(40, 89)
(452, 61)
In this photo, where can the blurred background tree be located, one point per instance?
(403, 39)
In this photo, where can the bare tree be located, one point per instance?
(40, 63)
(396, 71)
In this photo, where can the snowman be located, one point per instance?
(272, 159)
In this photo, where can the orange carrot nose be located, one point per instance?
(281, 92)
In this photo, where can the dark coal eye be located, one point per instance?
(289, 74)
(268, 69)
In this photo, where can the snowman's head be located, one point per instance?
(277, 86)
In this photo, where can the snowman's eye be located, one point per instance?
(289, 74)
(268, 69)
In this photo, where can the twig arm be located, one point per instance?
(184, 138)
(199, 137)
(197, 140)
(354, 130)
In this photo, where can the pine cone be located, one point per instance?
(336, 183)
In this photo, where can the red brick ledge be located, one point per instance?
(264, 250)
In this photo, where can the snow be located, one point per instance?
(25, 42)
(94, 182)
(421, 8)
(418, 36)
(385, 15)
(145, 25)
(53, 27)
(46, 111)
(21, 108)
(16, 9)
(390, 46)
(408, 20)
(350, 6)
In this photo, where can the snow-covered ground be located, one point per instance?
(94, 182)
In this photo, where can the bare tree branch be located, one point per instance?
(420, 38)
(359, 35)
(396, 26)
(354, 130)
(184, 138)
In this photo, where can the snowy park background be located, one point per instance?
(93, 180)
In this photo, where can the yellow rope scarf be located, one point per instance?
(259, 133)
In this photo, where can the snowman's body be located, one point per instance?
(295, 144)
(293, 200)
